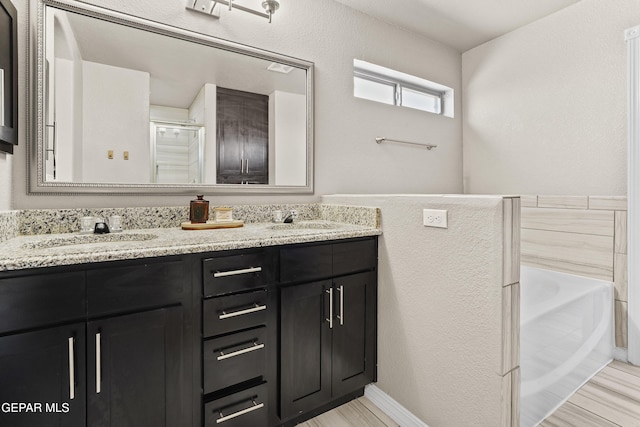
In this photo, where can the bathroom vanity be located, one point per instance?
(268, 331)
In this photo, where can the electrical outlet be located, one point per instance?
(434, 218)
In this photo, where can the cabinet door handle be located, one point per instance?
(341, 316)
(72, 369)
(247, 166)
(237, 272)
(98, 365)
(330, 319)
(253, 309)
(254, 347)
(224, 418)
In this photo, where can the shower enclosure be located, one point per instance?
(177, 153)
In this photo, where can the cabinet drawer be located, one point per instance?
(41, 299)
(350, 257)
(233, 359)
(228, 274)
(242, 409)
(153, 284)
(234, 312)
(304, 263)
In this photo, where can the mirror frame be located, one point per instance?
(35, 107)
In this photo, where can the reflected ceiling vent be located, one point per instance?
(213, 7)
(279, 68)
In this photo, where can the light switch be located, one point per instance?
(110, 154)
(125, 155)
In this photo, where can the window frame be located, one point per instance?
(444, 95)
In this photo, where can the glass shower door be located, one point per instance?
(177, 152)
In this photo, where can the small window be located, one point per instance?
(373, 90)
(388, 86)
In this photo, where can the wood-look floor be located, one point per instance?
(611, 398)
(357, 413)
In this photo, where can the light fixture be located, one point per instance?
(279, 68)
(212, 7)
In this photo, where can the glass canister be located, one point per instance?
(199, 210)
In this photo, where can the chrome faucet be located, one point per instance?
(293, 214)
(101, 227)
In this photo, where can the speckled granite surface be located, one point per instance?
(49, 237)
(53, 221)
(357, 215)
(9, 225)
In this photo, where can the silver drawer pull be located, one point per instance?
(341, 317)
(72, 370)
(253, 309)
(330, 318)
(236, 272)
(255, 406)
(239, 352)
(98, 364)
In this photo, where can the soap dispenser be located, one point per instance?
(199, 210)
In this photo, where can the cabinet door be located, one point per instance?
(134, 369)
(44, 369)
(354, 332)
(305, 341)
(242, 137)
(256, 148)
(230, 137)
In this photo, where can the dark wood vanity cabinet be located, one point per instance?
(43, 368)
(98, 346)
(257, 337)
(328, 325)
(236, 344)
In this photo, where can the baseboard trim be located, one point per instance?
(392, 408)
(621, 354)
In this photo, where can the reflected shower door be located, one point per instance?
(177, 152)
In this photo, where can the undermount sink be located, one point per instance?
(305, 226)
(83, 239)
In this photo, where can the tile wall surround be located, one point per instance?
(54, 221)
(511, 311)
(582, 235)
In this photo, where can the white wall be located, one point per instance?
(6, 193)
(346, 156)
(545, 105)
(203, 111)
(439, 306)
(65, 74)
(115, 111)
(286, 123)
(65, 109)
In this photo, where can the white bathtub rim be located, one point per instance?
(563, 298)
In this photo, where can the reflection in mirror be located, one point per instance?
(133, 104)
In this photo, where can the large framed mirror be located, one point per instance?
(122, 105)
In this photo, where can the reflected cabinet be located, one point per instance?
(243, 137)
(8, 77)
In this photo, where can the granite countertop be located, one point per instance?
(46, 250)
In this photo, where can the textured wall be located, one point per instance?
(439, 316)
(6, 168)
(545, 105)
(346, 156)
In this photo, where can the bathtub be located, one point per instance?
(566, 337)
